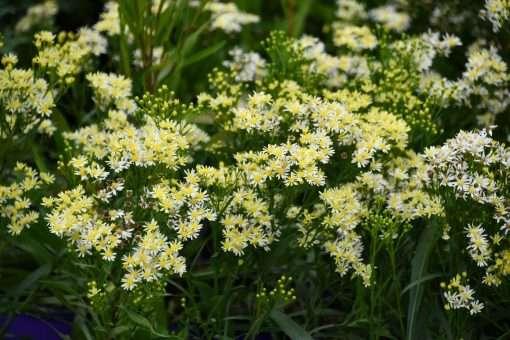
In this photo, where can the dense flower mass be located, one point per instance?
(26, 101)
(111, 91)
(36, 15)
(368, 158)
(15, 198)
(108, 216)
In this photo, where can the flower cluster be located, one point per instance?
(246, 219)
(356, 38)
(36, 15)
(247, 66)
(329, 150)
(121, 145)
(478, 245)
(329, 66)
(108, 213)
(497, 12)
(483, 85)
(458, 294)
(350, 10)
(475, 166)
(402, 184)
(345, 212)
(109, 22)
(391, 18)
(15, 198)
(112, 91)
(227, 17)
(63, 58)
(465, 164)
(295, 137)
(282, 294)
(26, 101)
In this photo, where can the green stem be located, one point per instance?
(396, 281)
(373, 253)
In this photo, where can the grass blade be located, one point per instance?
(289, 326)
(419, 264)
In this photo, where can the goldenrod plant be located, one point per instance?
(256, 169)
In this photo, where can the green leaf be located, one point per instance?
(143, 322)
(80, 329)
(191, 41)
(138, 319)
(419, 282)
(419, 263)
(120, 329)
(289, 326)
(300, 19)
(204, 53)
(31, 279)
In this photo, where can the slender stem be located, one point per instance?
(396, 281)
(373, 253)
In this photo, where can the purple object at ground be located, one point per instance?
(29, 327)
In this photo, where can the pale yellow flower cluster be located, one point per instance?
(322, 63)
(188, 197)
(302, 136)
(37, 14)
(64, 58)
(356, 38)
(350, 10)
(497, 12)
(27, 101)
(246, 219)
(485, 66)
(247, 222)
(15, 202)
(483, 85)
(112, 91)
(109, 21)
(475, 167)
(458, 294)
(391, 18)
(154, 255)
(402, 183)
(227, 16)
(74, 217)
(257, 114)
(116, 211)
(121, 145)
(478, 245)
(320, 124)
(293, 163)
(500, 268)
